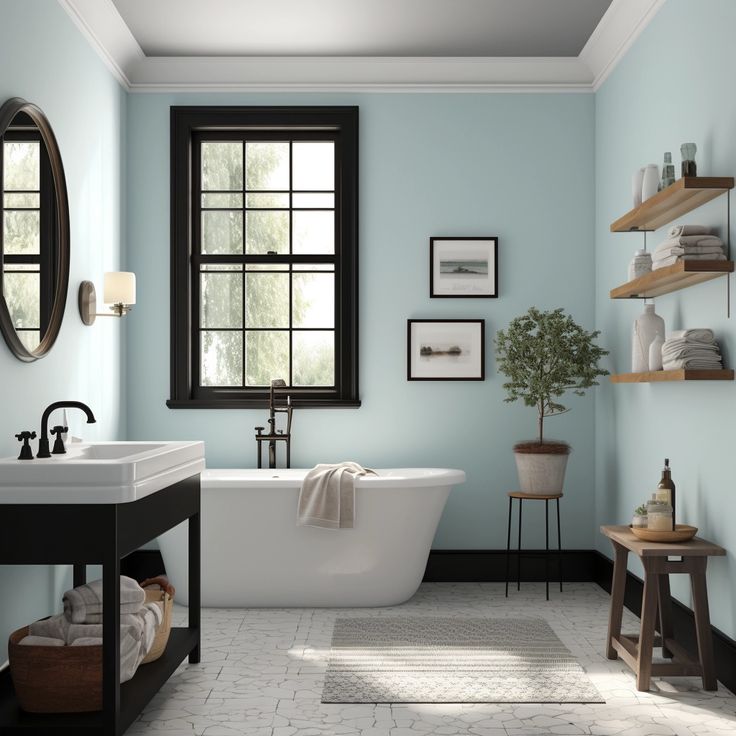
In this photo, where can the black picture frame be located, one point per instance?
(442, 363)
(475, 260)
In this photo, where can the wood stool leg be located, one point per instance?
(648, 622)
(702, 624)
(559, 544)
(665, 613)
(508, 543)
(618, 589)
(518, 550)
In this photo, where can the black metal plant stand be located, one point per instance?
(83, 534)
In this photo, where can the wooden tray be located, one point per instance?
(682, 533)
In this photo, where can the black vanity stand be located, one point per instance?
(88, 534)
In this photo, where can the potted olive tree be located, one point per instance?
(544, 355)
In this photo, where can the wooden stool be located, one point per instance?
(636, 650)
(533, 497)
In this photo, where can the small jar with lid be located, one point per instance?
(640, 264)
(659, 516)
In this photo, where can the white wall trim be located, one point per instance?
(108, 34)
(619, 27)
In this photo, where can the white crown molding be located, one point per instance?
(108, 34)
(619, 27)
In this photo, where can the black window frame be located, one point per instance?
(186, 124)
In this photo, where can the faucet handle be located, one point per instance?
(59, 448)
(25, 452)
(259, 429)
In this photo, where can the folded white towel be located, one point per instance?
(87, 641)
(41, 641)
(677, 230)
(689, 240)
(327, 496)
(671, 260)
(695, 334)
(679, 250)
(692, 364)
(55, 627)
(84, 604)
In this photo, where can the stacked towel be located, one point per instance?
(327, 495)
(676, 230)
(683, 244)
(83, 605)
(691, 349)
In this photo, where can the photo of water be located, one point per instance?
(464, 269)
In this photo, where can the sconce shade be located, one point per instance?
(119, 287)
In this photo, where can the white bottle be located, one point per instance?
(646, 327)
(655, 353)
(636, 182)
(650, 183)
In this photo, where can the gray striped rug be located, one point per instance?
(427, 659)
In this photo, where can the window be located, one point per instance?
(28, 230)
(264, 255)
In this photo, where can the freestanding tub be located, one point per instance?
(254, 554)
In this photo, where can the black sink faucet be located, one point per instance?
(43, 442)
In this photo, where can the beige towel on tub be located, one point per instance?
(327, 495)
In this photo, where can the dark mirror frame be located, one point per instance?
(9, 110)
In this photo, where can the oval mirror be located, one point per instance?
(34, 233)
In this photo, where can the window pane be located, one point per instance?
(267, 267)
(222, 231)
(267, 302)
(23, 201)
(314, 232)
(267, 199)
(314, 165)
(30, 338)
(222, 200)
(313, 200)
(314, 358)
(266, 230)
(267, 357)
(22, 232)
(314, 300)
(267, 165)
(222, 165)
(313, 267)
(22, 292)
(222, 267)
(21, 166)
(221, 358)
(221, 300)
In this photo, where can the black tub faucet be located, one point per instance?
(43, 441)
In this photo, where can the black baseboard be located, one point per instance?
(489, 566)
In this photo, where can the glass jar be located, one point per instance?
(659, 516)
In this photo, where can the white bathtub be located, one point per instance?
(254, 554)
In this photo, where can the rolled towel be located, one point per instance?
(87, 641)
(84, 604)
(327, 495)
(41, 641)
(677, 230)
(671, 260)
(55, 627)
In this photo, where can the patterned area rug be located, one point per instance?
(452, 660)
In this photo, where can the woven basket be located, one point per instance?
(55, 679)
(166, 602)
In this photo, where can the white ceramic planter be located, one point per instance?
(540, 473)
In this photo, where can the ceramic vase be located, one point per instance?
(655, 353)
(647, 327)
(650, 182)
(636, 182)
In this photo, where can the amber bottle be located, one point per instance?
(666, 489)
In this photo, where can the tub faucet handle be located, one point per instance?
(59, 448)
(25, 452)
(259, 429)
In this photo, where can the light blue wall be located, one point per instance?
(516, 166)
(46, 60)
(674, 85)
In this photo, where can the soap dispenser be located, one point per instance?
(666, 490)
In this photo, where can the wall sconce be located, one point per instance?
(118, 294)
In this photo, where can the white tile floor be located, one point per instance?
(262, 670)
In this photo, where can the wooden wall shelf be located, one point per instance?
(680, 375)
(684, 195)
(679, 275)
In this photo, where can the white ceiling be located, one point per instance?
(361, 45)
(427, 28)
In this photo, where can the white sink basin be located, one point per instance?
(100, 472)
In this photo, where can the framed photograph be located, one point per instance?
(463, 267)
(446, 350)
